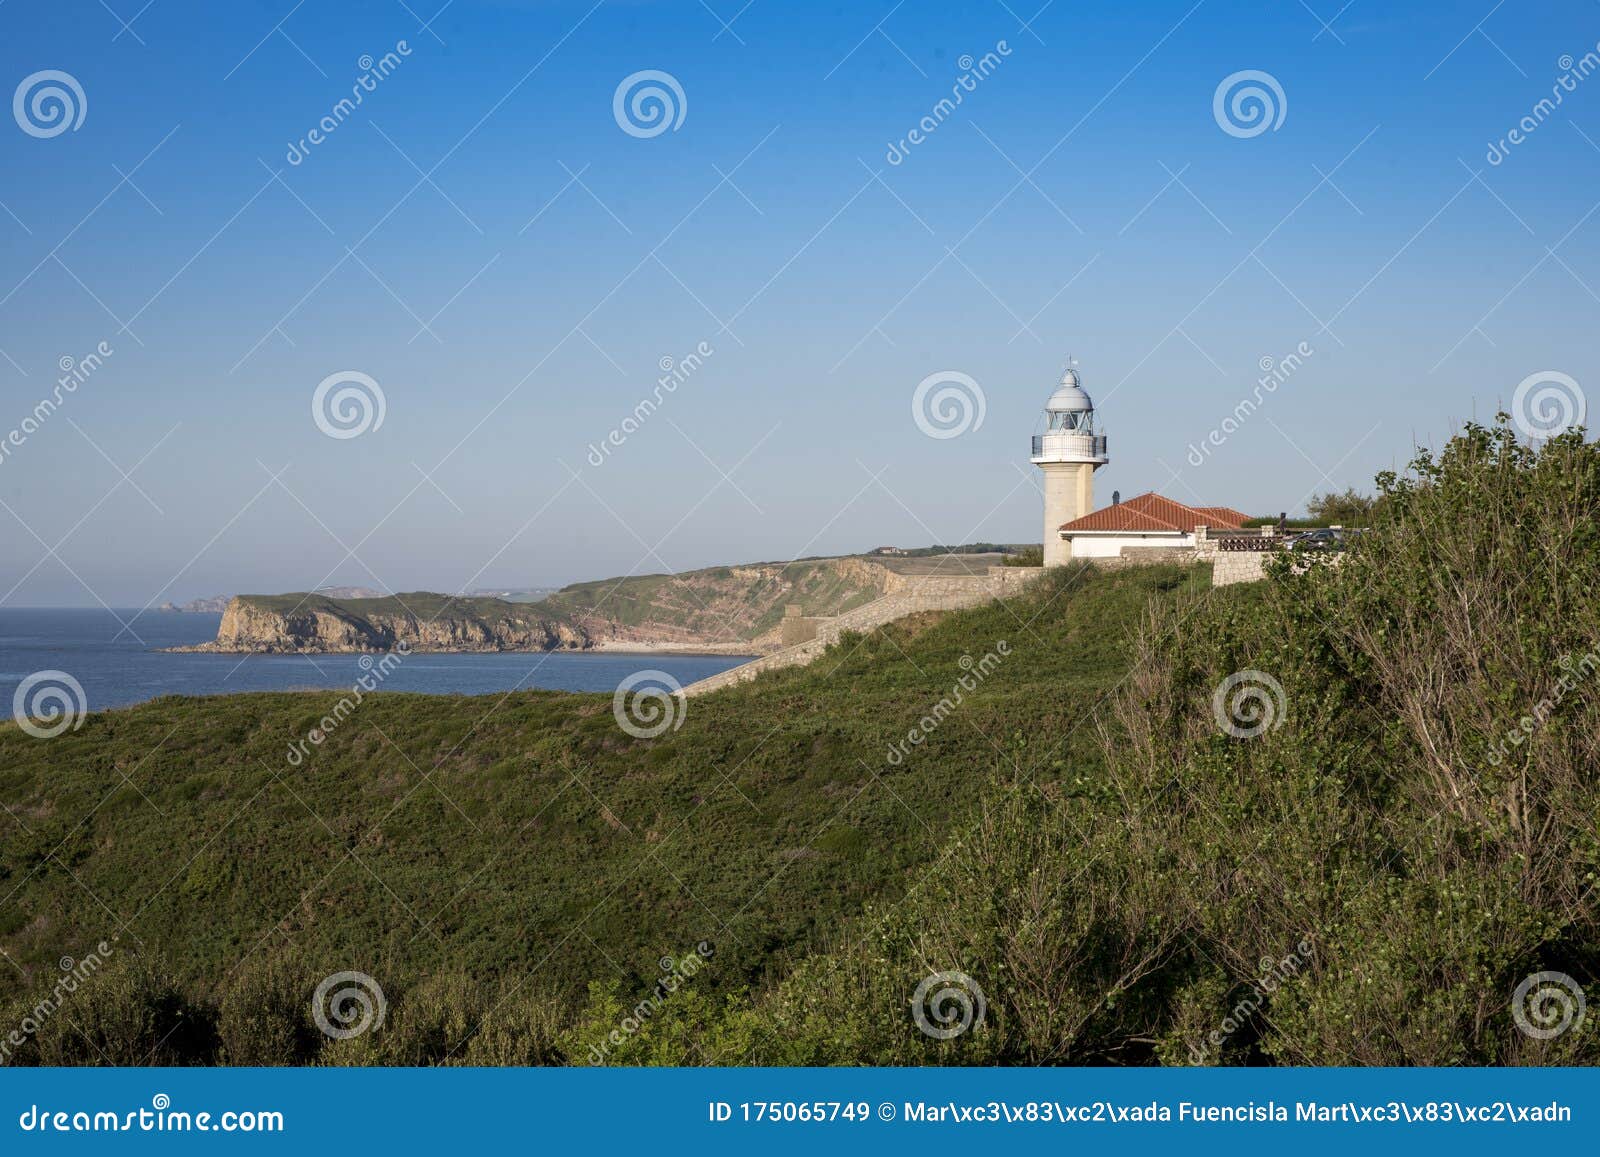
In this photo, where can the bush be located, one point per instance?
(129, 1013)
(451, 1019)
(265, 1017)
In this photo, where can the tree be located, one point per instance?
(1351, 508)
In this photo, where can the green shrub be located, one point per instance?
(265, 1016)
(129, 1013)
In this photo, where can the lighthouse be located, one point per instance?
(1069, 452)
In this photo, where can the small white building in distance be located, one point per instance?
(1146, 521)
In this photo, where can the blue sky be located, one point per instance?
(483, 239)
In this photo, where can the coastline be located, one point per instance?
(645, 647)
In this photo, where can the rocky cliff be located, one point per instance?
(733, 609)
(424, 622)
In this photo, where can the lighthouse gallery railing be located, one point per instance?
(1066, 441)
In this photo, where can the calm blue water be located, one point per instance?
(115, 672)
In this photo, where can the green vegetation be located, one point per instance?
(1363, 872)
(1350, 508)
(1367, 881)
(526, 837)
(1289, 523)
(423, 604)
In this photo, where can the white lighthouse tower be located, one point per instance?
(1069, 452)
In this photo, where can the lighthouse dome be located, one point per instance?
(1069, 395)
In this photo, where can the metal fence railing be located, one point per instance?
(1254, 542)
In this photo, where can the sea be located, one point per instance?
(118, 666)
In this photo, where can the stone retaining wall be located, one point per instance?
(1148, 556)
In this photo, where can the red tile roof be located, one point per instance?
(1153, 513)
(1120, 518)
(1224, 516)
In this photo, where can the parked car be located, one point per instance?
(1327, 539)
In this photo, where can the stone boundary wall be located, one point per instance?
(1233, 566)
(1229, 567)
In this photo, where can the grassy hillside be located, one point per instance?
(729, 604)
(529, 835)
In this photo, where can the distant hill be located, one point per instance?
(740, 606)
(513, 594)
(218, 604)
(726, 605)
(724, 610)
(212, 606)
(349, 592)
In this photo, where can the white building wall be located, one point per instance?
(1110, 545)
